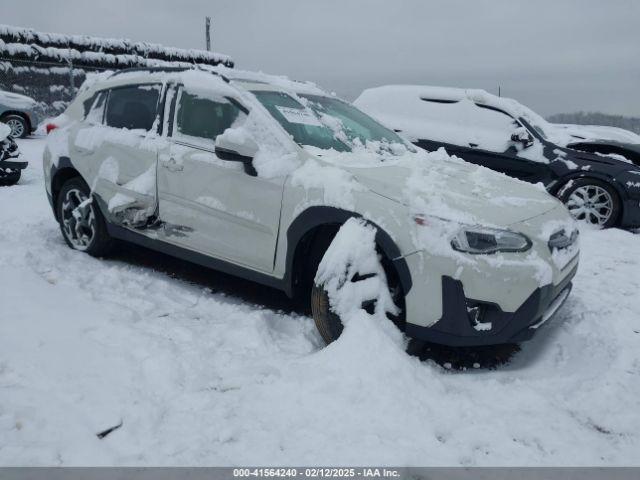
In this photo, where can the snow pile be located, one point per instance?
(353, 253)
(273, 157)
(5, 130)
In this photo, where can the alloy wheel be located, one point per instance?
(78, 219)
(17, 127)
(591, 203)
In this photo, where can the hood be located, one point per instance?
(585, 160)
(455, 190)
(16, 100)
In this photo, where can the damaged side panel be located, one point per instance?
(117, 151)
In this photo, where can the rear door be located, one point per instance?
(120, 142)
(207, 204)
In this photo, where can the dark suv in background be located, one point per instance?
(506, 136)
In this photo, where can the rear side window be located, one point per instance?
(96, 109)
(133, 107)
(205, 118)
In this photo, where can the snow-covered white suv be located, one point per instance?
(278, 182)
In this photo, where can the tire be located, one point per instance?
(19, 125)
(330, 325)
(82, 224)
(593, 201)
(9, 178)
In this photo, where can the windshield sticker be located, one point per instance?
(299, 115)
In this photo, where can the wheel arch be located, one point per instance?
(609, 180)
(20, 114)
(60, 174)
(321, 220)
(618, 189)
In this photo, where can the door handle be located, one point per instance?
(172, 165)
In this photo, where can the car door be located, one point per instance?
(207, 204)
(118, 147)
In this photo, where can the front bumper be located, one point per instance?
(460, 325)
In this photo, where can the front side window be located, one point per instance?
(205, 118)
(133, 107)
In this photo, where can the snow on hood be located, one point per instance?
(598, 132)
(15, 100)
(436, 184)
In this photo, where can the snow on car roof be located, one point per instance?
(204, 74)
(382, 101)
(450, 94)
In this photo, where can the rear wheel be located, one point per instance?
(81, 222)
(592, 201)
(19, 126)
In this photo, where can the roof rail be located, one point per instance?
(170, 69)
(151, 69)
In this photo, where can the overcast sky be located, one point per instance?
(554, 56)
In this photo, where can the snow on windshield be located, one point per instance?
(327, 123)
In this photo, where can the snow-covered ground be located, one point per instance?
(200, 374)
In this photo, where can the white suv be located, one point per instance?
(255, 175)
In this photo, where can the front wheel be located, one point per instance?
(81, 222)
(353, 276)
(592, 201)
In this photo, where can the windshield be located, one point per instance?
(324, 122)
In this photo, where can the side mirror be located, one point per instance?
(522, 136)
(237, 148)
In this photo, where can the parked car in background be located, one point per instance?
(506, 136)
(19, 112)
(255, 176)
(10, 166)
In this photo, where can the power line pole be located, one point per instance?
(207, 26)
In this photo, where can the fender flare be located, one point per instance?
(62, 164)
(317, 216)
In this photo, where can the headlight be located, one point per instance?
(489, 240)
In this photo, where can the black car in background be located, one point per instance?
(504, 135)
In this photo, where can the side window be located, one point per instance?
(95, 112)
(204, 118)
(133, 107)
(467, 124)
(492, 128)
